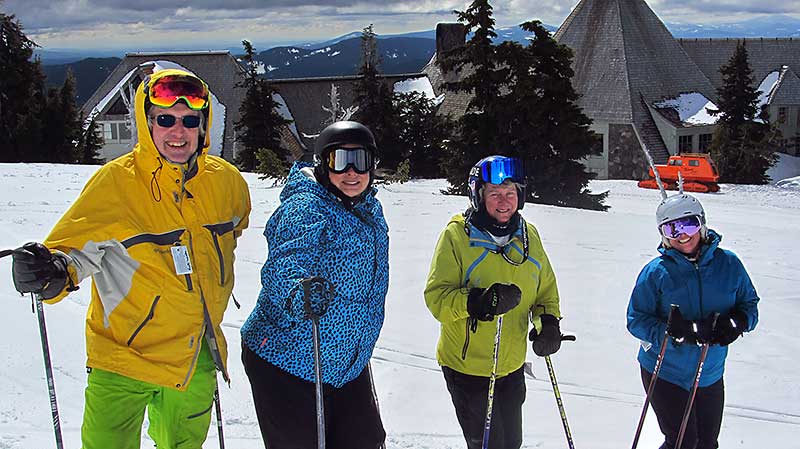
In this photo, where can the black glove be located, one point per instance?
(691, 332)
(548, 341)
(484, 304)
(730, 326)
(37, 270)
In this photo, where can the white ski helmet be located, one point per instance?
(679, 206)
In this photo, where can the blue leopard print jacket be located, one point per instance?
(312, 234)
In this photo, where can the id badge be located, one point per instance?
(180, 257)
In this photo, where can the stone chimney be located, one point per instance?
(449, 36)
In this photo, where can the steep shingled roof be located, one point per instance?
(217, 68)
(764, 55)
(625, 60)
(788, 89)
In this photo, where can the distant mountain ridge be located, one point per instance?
(401, 53)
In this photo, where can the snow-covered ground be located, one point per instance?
(786, 172)
(596, 257)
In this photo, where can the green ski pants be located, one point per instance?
(115, 407)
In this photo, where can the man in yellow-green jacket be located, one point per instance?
(156, 230)
(489, 263)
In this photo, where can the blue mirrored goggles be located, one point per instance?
(686, 225)
(498, 170)
(340, 159)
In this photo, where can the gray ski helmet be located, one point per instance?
(341, 133)
(679, 206)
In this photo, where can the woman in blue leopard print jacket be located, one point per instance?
(328, 224)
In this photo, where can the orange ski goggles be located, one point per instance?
(165, 92)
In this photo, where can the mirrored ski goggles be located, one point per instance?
(498, 170)
(686, 225)
(166, 91)
(169, 120)
(340, 159)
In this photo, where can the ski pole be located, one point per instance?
(48, 367)
(219, 416)
(557, 393)
(324, 288)
(374, 395)
(652, 384)
(698, 372)
(488, 425)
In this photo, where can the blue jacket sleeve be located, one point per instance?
(644, 319)
(296, 235)
(746, 297)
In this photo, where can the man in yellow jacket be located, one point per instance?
(156, 230)
(489, 263)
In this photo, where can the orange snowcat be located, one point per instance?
(697, 169)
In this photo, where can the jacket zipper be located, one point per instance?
(146, 320)
(214, 235)
(466, 340)
(699, 288)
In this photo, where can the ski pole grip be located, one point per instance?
(6, 252)
(567, 338)
(672, 309)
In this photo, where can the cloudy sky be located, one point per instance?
(215, 24)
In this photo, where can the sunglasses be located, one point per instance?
(168, 121)
(675, 228)
(166, 91)
(340, 159)
(498, 170)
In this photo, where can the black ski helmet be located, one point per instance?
(337, 134)
(341, 133)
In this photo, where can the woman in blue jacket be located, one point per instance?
(693, 273)
(329, 224)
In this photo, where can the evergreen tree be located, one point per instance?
(544, 125)
(260, 123)
(422, 133)
(61, 121)
(375, 101)
(22, 95)
(477, 130)
(740, 146)
(89, 144)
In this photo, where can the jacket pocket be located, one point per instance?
(222, 236)
(144, 322)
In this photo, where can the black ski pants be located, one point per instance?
(705, 420)
(470, 398)
(286, 409)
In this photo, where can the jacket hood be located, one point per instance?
(145, 145)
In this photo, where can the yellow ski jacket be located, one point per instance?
(135, 219)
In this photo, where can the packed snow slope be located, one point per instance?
(596, 257)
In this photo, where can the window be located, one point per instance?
(694, 163)
(704, 142)
(677, 162)
(781, 114)
(685, 144)
(115, 132)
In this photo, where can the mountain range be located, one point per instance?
(400, 53)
